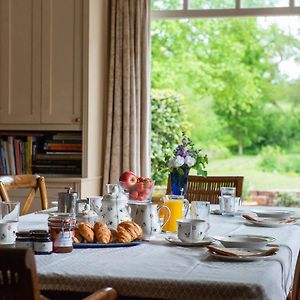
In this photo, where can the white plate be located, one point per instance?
(267, 213)
(206, 241)
(244, 241)
(216, 211)
(268, 223)
(240, 258)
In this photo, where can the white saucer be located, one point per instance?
(240, 258)
(244, 241)
(269, 223)
(216, 211)
(206, 241)
(267, 213)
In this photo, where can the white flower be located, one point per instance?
(190, 161)
(179, 161)
(171, 163)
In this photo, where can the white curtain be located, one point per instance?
(128, 112)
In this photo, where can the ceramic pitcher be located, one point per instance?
(147, 216)
(114, 209)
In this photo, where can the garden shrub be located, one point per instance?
(269, 158)
(169, 119)
(287, 199)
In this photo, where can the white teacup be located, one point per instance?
(9, 221)
(8, 230)
(192, 230)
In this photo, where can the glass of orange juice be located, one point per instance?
(178, 207)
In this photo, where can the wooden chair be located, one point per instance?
(32, 182)
(208, 188)
(19, 280)
(295, 292)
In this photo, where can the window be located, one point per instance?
(209, 61)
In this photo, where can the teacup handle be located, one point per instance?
(207, 227)
(168, 217)
(186, 205)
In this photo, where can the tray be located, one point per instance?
(98, 245)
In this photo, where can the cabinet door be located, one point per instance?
(62, 61)
(20, 61)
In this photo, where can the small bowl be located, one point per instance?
(243, 241)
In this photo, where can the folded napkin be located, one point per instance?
(283, 221)
(239, 252)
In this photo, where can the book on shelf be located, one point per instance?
(28, 154)
(61, 162)
(58, 156)
(3, 158)
(23, 156)
(62, 147)
(18, 158)
(67, 136)
(11, 155)
(6, 156)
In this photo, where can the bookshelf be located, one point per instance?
(53, 153)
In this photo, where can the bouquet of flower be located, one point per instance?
(185, 156)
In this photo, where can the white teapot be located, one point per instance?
(147, 216)
(114, 209)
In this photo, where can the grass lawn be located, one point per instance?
(254, 178)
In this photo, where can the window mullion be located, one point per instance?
(292, 3)
(185, 4)
(237, 4)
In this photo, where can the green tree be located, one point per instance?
(232, 62)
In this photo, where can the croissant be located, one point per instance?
(114, 235)
(102, 233)
(77, 238)
(129, 231)
(86, 232)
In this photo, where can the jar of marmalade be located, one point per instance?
(61, 228)
(42, 243)
(24, 239)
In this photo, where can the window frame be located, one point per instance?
(238, 11)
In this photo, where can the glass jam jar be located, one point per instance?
(42, 243)
(61, 228)
(24, 239)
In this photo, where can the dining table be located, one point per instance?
(159, 269)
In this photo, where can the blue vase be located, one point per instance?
(179, 181)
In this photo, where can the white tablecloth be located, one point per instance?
(159, 269)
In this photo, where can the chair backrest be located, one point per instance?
(18, 274)
(19, 280)
(296, 282)
(208, 188)
(33, 182)
(107, 293)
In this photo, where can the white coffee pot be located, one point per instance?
(114, 208)
(147, 216)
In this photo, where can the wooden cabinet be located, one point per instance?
(20, 61)
(41, 62)
(53, 58)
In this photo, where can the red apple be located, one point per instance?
(128, 179)
(140, 197)
(134, 195)
(140, 179)
(148, 183)
(139, 187)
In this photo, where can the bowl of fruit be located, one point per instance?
(138, 188)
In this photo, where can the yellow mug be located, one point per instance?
(178, 207)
